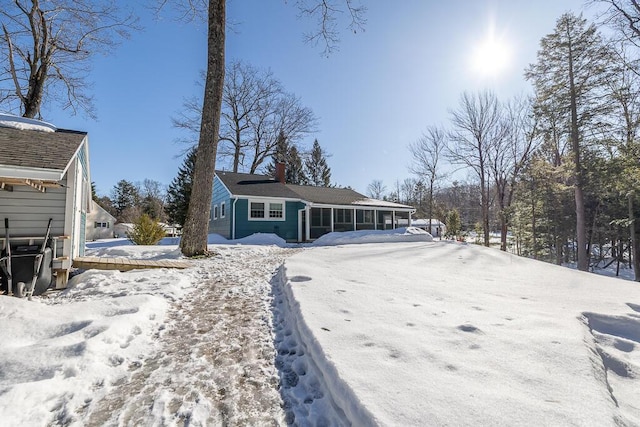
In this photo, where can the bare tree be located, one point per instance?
(46, 46)
(623, 16)
(195, 231)
(255, 110)
(427, 153)
(283, 114)
(476, 128)
(325, 12)
(376, 189)
(509, 156)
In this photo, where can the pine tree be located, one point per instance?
(453, 224)
(281, 155)
(125, 198)
(568, 76)
(94, 194)
(294, 172)
(179, 191)
(317, 170)
(290, 156)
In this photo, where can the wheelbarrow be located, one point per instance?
(27, 267)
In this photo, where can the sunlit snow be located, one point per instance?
(398, 329)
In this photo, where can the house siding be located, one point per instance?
(287, 229)
(221, 226)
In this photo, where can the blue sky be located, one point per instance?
(373, 97)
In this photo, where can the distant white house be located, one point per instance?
(100, 223)
(438, 228)
(122, 229)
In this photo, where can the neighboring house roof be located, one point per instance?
(243, 184)
(421, 222)
(24, 150)
(95, 207)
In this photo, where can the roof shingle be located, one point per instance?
(244, 184)
(42, 150)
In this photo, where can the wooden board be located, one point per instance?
(125, 264)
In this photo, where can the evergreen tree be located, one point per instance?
(94, 195)
(179, 191)
(294, 173)
(568, 77)
(281, 154)
(290, 156)
(146, 231)
(453, 224)
(125, 198)
(317, 170)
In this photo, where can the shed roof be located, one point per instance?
(40, 150)
(244, 184)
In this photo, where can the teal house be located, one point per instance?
(244, 204)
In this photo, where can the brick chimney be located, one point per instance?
(280, 172)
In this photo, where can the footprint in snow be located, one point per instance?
(469, 328)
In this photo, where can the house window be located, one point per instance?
(270, 211)
(342, 216)
(101, 225)
(276, 210)
(365, 217)
(222, 210)
(257, 210)
(215, 212)
(321, 217)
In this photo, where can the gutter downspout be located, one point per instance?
(233, 220)
(301, 232)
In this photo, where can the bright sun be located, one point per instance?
(491, 57)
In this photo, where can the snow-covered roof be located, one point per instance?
(24, 123)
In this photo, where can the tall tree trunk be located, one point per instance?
(430, 203)
(484, 201)
(581, 226)
(196, 226)
(634, 253)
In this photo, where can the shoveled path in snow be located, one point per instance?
(215, 358)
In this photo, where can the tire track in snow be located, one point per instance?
(215, 361)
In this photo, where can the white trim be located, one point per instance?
(233, 219)
(267, 204)
(31, 173)
(231, 195)
(223, 210)
(215, 212)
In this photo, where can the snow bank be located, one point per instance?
(451, 334)
(404, 234)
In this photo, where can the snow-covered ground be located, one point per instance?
(396, 330)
